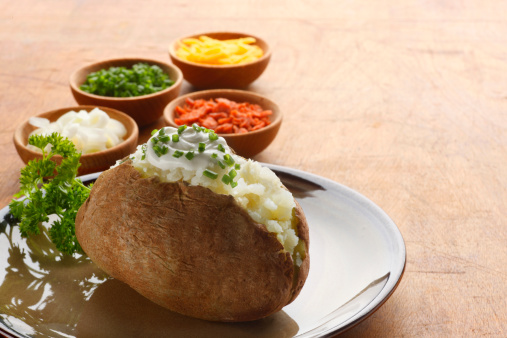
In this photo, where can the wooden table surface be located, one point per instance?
(405, 102)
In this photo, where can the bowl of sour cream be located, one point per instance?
(102, 135)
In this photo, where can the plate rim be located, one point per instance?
(396, 270)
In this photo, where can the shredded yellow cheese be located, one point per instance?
(211, 51)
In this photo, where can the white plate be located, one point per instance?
(357, 260)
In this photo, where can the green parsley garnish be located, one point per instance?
(49, 193)
(210, 174)
(141, 79)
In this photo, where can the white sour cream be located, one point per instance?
(189, 140)
(90, 132)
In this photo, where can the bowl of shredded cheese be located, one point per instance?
(102, 135)
(220, 59)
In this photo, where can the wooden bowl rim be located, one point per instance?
(177, 83)
(266, 53)
(216, 93)
(131, 138)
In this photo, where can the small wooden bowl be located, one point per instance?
(227, 76)
(248, 144)
(90, 163)
(143, 109)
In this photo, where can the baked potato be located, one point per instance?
(230, 249)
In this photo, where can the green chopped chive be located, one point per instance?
(181, 129)
(154, 140)
(161, 132)
(196, 127)
(228, 160)
(234, 184)
(202, 147)
(233, 174)
(154, 131)
(226, 179)
(214, 155)
(175, 137)
(164, 138)
(221, 147)
(212, 136)
(160, 150)
(211, 174)
(189, 155)
(221, 164)
(144, 151)
(139, 79)
(178, 154)
(237, 166)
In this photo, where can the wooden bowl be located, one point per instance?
(227, 76)
(248, 144)
(143, 109)
(90, 163)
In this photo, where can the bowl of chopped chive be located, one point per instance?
(249, 122)
(116, 130)
(220, 59)
(139, 87)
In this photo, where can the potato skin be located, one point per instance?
(186, 248)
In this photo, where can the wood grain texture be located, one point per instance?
(411, 97)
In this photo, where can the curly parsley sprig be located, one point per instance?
(49, 193)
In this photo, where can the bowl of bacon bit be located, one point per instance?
(249, 122)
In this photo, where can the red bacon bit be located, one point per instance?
(222, 115)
